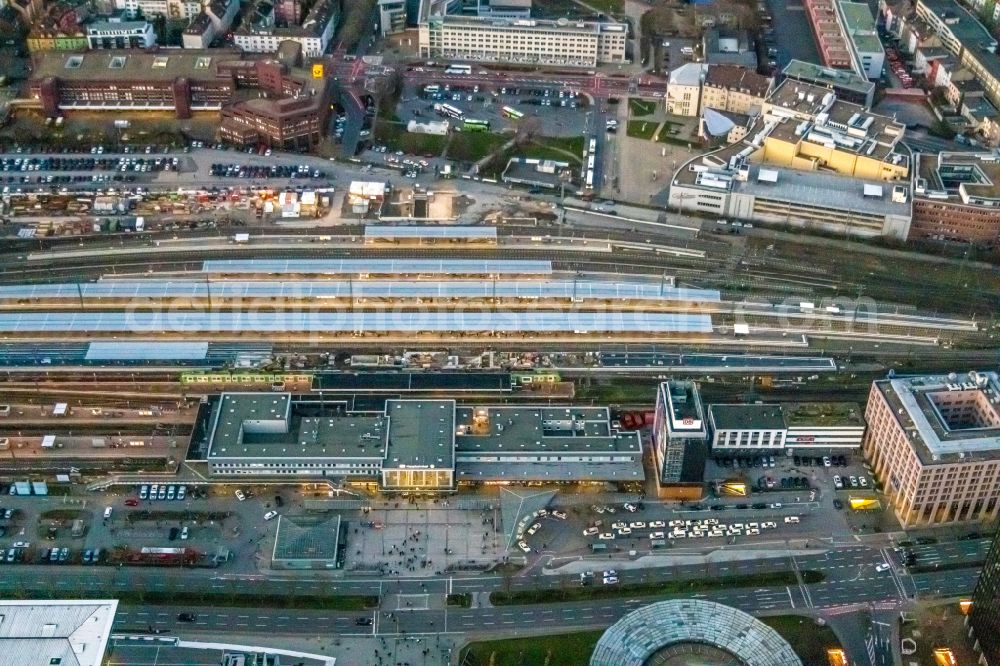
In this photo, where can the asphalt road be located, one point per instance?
(850, 578)
(420, 618)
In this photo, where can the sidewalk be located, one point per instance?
(717, 556)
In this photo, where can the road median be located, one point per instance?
(598, 591)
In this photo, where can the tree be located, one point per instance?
(527, 129)
(357, 22)
(386, 93)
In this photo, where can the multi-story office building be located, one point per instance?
(120, 35)
(680, 432)
(172, 9)
(934, 444)
(293, 113)
(391, 16)
(261, 33)
(813, 428)
(291, 123)
(181, 82)
(845, 84)
(418, 444)
(829, 34)
(867, 52)
(523, 41)
(957, 197)
(983, 619)
(747, 429)
(962, 34)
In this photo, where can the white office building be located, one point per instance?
(523, 41)
(261, 34)
(120, 35)
(172, 9)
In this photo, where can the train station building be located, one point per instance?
(418, 445)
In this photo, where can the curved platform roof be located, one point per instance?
(388, 289)
(640, 634)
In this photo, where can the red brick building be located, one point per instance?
(292, 113)
(957, 198)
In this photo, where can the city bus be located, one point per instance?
(593, 146)
(509, 112)
(473, 125)
(590, 162)
(448, 110)
(459, 69)
(590, 179)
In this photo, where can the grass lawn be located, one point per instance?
(559, 650)
(618, 391)
(558, 148)
(395, 136)
(641, 107)
(580, 593)
(473, 146)
(809, 640)
(607, 6)
(568, 8)
(642, 129)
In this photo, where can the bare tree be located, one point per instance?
(527, 129)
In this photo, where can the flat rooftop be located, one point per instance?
(531, 25)
(968, 175)
(132, 65)
(64, 632)
(747, 417)
(966, 28)
(503, 431)
(935, 434)
(106, 447)
(812, 100)
(265, 425)
(822, 414)
(102, 26)
(553, 471)
(827, 76)
(421, 434)
(860, 26)
(849, 125)
(809, 187)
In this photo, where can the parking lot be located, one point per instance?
(558, 111)
(789, 32)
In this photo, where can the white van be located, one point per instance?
(107, 512)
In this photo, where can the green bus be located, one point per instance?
(473, 125)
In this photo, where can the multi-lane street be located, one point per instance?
(850, 578)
